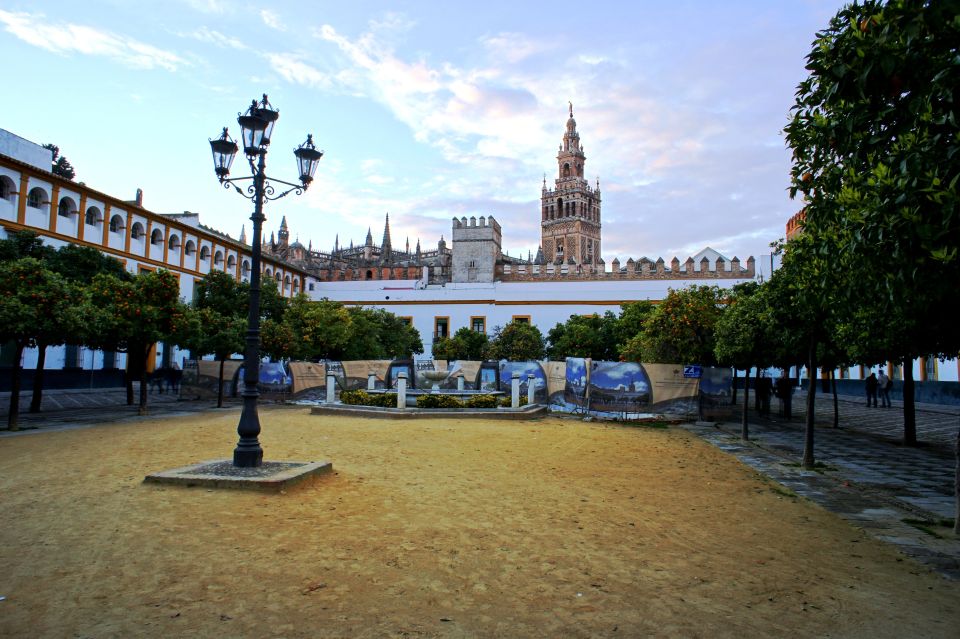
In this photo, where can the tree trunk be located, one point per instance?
(15, 388)
(744, 428)
(220, 386)
(909, 408)
(142, 408)
(734, 394)
(808, 459)
(131, 372)
(836, 404)
(38, 378)
(756, 385)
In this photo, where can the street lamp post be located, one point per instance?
(256, 126)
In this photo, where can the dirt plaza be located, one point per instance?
(437, 528)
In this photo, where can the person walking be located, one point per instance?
(884, 383)
(764, 389)
(872, 389)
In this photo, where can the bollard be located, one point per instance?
(515, 390)
(460, 383)
(531, 388)
(331, 388)
(402, 390)
(371, 380)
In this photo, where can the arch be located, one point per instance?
(116, 224)
(218, 258)
(286, 282)
(93, 216)
(174, 243)
(37, 197)
(369, 274)
(67, 207)
(296, 283)
(278, 277)
(136, 231)
(7, 188)
(559, 207)
(245, 268)
(231, 261)
(156, 237)
(190, 247)
(566, 169)
(204, 253)
(268, 272)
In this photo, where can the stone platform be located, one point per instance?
(221, 473)
(534, 411)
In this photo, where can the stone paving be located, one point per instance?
(866, 477)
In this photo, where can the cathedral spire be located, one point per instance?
(283, 236)
(385, 244)
(243, 234)
(369, 241)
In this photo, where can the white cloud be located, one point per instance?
(62, 38)
(272, 20)
(294, 70)
(211, 36)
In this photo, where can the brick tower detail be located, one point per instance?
(570, 212)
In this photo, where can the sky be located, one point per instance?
(429, 110)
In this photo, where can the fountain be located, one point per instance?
(437, 377)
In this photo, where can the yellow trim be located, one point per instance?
(22, 202)
(126, 242)
(107, 215)
(521, 318)
(166, 243)
(54, 207)
(82, 216)
(491, 302)
(479, 317)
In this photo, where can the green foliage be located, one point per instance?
(481, 401)
(680, 330)
(466, 344)
(507, 402)
(61, 166)
(516, 342)
(876, 158)
(379, 334)
(37, 304)
(363, 398)
(20, 244)
(745, 334)
(584, 336)
(438, 401)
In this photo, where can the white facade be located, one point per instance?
(64, 212)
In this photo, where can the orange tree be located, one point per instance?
(34, 301)
(679, 330)
(516, 342)
(133, 316)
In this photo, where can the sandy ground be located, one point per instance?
(552, 528)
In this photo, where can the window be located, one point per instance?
(136, 231)
(174, 243)
(245, 268)
(156, 238)
(232, 261)
(93, 216)
(218, 258)
(406, 320)
(36, 198)
(7, 188)
(310, 286)
(929, 369)
(204, 252)
(521, 319)
(190, 248)
(478, 324)
(66, 207)
(441, 327)
(116, 224)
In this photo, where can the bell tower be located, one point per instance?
(570, 212)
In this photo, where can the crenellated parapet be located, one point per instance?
(644, 268)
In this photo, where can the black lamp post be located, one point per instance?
(256, 126)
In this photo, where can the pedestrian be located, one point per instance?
(871, 385)
(764, 389)
(884, 383)
(784, 392)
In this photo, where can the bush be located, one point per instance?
(438, 401)
(363, 398)
(506, 403)
(481, 401)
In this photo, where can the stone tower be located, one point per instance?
(283, 236)
(570, 212)
(476, 249)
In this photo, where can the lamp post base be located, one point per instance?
(247, 458)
